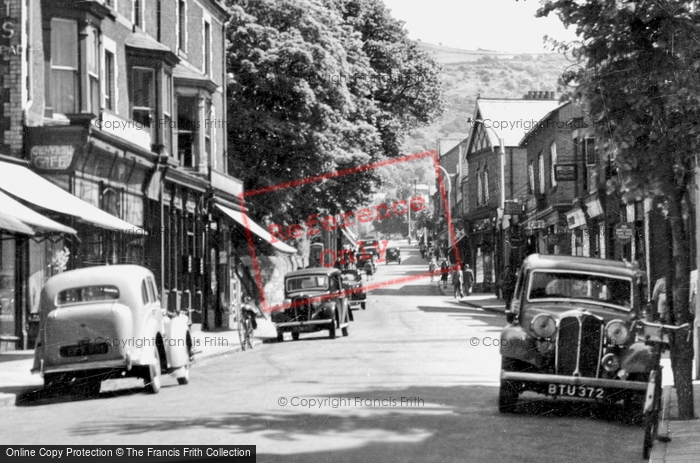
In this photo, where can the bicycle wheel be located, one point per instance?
(240, 325)
(652, 415)
(248, 330)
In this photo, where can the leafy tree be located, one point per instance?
(307, 97)
(639, 75)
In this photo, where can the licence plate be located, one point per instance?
(584, 392)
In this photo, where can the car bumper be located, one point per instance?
(535, 378)
(120, 364)
(312, 322)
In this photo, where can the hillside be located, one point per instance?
(468, 73)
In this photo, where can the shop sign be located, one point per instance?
(512, 208)
(575, 218)
(565, 172)
(52, 157)
(594, 208)
(624, 232)
(536, 225)
(554, 239)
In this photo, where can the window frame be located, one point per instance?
(182, 26)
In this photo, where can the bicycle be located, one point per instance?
(657, 336)
(245, 321)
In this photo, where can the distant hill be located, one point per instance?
(493, 74)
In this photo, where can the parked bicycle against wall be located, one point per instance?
(657, 336)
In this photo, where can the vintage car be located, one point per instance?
(107, 322)
(367, 254)
(393, 255)
(352, 282)
(314, 301)
(570, 332)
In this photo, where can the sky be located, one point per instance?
(501, 25)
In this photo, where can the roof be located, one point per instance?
(313, 271)
(145, 42)
(541, 122)
(584, 264)
(511, 118)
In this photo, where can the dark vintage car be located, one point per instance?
(570, 332)
(314, 301)
(364, 255)
(352, 282)
(107, 322)
(393, 255)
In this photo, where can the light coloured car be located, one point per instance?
(107, 322)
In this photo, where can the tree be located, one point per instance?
(306, 98)
(639, 77)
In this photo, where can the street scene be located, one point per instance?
(409, 383)
(349, 230)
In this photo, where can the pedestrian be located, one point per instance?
(468, 279)
(659, 298)
(508, 285)
(431, 268)
(368, 269)
(458, 282)
(422, 251)
(444, 272)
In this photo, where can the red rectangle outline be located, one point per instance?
(317, 178)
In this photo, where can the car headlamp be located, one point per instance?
(544, 325)
(617, 332)
(611, 363)
(316, 303)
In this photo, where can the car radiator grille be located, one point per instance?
(579, 346)
(300, 310)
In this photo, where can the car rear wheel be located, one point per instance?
(364, 305)
(152, 377)
(331, 328)
(280, 336)
(295, 336)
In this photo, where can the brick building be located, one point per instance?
(121, 104)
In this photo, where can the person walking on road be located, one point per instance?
(458, 282)
(468, 279)
(431, 268)
(443, 269)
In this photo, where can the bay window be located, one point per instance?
(64, 88)
(143, 100)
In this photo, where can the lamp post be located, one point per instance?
(449, 207)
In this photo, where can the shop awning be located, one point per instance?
(30, 222)
(247, 222)
(25, 184)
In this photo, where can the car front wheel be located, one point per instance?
(507, 397)
(152, 377)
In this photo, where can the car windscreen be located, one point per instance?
(87, 294)
(559, 285)
(307, 282)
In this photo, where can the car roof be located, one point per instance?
(584, 264)
(313, 271)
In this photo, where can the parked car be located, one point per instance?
(352, 282)
(107, 322)
(314, 301)
(570, 332)
(367, 254)
(393, 255)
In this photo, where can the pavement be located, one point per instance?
(684, 444)
(16, 378)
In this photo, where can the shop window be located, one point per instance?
(143, 101)
(187, 131)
